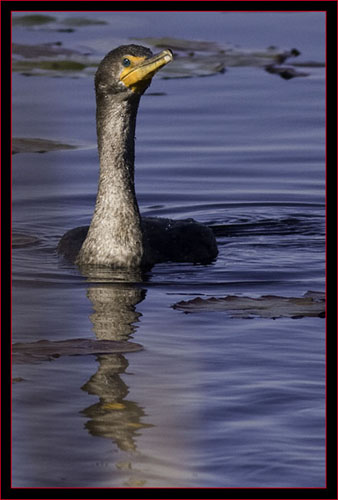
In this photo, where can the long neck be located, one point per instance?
(115, 125)
(115, 236)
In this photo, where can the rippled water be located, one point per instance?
(211, 400)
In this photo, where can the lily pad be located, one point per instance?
(54, 67)
(188, 67)
(20, 240)
(42, 50)
(82, 21)
(33, 20)
(51, 59)
(192, 58)
(46, 350)
(35, 145)
(286, 72)
(17, 379)
(36, 20)
(181, 44)
(268, 306)
(204, 58)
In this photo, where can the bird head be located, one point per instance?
(129, 69)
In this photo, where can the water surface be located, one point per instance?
(211, 401)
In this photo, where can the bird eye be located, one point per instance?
(126, 62)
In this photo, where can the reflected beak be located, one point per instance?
(138, 76)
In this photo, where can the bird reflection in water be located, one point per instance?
(114, 296)
(113, 416)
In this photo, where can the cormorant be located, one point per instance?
(118, 236)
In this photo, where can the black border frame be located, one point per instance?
(330, 492)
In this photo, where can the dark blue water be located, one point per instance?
(211, 400)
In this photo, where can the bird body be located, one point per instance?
(118, 236)
(163, 240)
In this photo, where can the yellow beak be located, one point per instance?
(138, 75)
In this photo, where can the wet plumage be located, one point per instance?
(118, 236)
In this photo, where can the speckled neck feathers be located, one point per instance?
(115, 237)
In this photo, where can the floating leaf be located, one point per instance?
(192, 58)
(267, 306)
(50, 59)
(34, 145)
(17, 379)
(180, 44)
(201, 58)
(42, 50)
(33, 20)
(36, 20)
(189, 64)
(53, 66)
(82, 21)
(46, 350)
(188, 67)
(309, 64)
(286, 72)
(20, 240)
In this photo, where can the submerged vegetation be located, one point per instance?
(35, 145)
(47, 350)
(193, 58)
(268, 306)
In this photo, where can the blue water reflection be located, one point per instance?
(211, 400)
